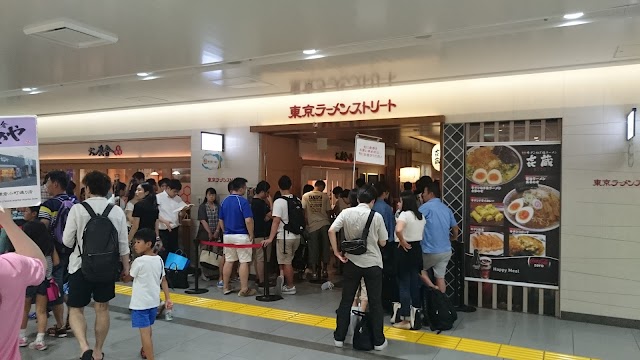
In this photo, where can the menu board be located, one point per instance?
(513, 219)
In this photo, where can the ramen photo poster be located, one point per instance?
(513, 220)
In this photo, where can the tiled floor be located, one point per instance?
(198, 333)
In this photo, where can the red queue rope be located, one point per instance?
(235, 246)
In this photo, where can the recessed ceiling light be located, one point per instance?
(309, 51)
(317, 56)
(28, 89)
(143, 74)
(573, 23)
(35, 92)
(150, 78)
(573, 16)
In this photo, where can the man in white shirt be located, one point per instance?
(172, 211)
(367, 265)
(82, 290)
(287, 242)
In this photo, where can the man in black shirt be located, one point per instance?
(261, 206)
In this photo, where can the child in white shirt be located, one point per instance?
(148, 274)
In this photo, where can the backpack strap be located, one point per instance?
(89, 209)
(107, 210)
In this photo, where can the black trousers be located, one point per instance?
(373, 280)
(169, 241)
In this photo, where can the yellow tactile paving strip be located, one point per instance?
(423, 338)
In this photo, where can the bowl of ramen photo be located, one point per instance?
(487, 243)
(536, 209)
(492, 165)
(527, 245)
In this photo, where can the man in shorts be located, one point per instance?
(287, 242)
(82, 290)
(436, 238)
(236, 219)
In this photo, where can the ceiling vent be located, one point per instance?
(71, 33)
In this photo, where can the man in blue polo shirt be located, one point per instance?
(236, 218)
(436, 238)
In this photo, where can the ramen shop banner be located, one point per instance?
(513, 222)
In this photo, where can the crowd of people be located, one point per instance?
(55, 260)
(84, 246)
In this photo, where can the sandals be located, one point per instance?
(142, 354)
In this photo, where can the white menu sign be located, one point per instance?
(370, 152)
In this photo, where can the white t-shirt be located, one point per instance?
(147, 272)
(413, 227)
(281, 210)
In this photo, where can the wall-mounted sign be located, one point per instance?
(370, 151)
(616, 183)
(211, 161)
(105, 150)
(435, 157)
(344, 156)
(513, 231)
(340, 109)
(219, 180)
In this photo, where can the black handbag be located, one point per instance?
(177, 279)
(358, 246)
(363, 333)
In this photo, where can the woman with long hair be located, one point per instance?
(409, 228)
(145, 211)
(208, 216)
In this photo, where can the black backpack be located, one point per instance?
(439, 311)
(296, 216)
(100, 249)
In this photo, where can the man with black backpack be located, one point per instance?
(288, 225)
(53, 213)
(97, 232)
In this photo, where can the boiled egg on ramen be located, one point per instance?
(479, 176)
(515, 205)
(524, 215)
(494, 177)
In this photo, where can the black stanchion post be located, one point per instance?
(197, 290)
(266, 297)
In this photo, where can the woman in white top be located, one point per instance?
(409, 228)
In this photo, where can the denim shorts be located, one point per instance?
(143, 318)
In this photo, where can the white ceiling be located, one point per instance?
(367, 43)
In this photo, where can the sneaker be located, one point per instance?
(394, 316)
(204, 277)
(57, 332)
(250, 292)
(161, 309)
(38, 345)
(412, 318)
(220, 284)
(32, 316)
(381, 347)
(338, 344)
(279, 285)
(288, 290)
(405, 325)
(22, 342)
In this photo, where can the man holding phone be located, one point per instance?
(172, 211)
